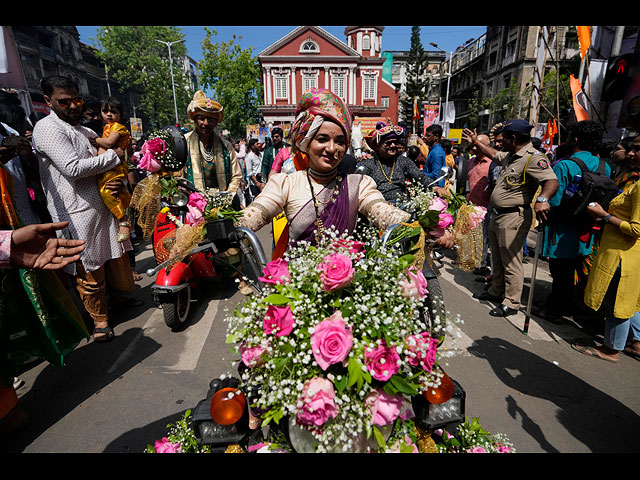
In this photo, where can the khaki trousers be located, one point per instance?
(507, 233)
(92, 286)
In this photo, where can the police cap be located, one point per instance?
(517, 126)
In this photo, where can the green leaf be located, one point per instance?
(277, 299)
(341, 384)
(379, 438)
(403, 386)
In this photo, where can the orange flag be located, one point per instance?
(579, 99)
(584, 38)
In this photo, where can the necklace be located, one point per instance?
(207, 155)
(334, 195)
(389, 179)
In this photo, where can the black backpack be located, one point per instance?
(593, 187)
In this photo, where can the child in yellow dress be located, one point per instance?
(115, 134)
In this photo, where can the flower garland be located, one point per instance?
(157, 153)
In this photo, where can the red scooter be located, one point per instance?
(174, 287)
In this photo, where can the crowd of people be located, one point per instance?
(72, 172)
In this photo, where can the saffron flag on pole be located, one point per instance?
(416, 112)
(550, 132)
(584, 38)
(579, 99)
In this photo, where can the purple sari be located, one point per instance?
(340, 214)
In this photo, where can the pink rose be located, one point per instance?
(352, 246)
(438, 204)
(252, 356)
(422, 350)
(476, 450)
(331, 341)
(278, 320)
(382, 362)
(194, 215)
(150, 151)
(318, 404)
(275, 272)
(477, 216)
(336, 271)
(445, 220)
(384, 408)
(415, 286)
(198, 201)
(165, 446)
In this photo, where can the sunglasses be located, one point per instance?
(390, 143)
(66, 102)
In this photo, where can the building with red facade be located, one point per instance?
(311, 57)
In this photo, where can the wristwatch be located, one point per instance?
(541, 199)
(606, 218)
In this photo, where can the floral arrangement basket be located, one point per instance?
(336, 346)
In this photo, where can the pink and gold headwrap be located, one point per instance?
(382, 133)
(315, 106)
(205, 106)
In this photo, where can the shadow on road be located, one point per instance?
(593, 417)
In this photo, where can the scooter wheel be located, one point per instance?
(176, 311)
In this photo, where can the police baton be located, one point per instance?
(540, 230)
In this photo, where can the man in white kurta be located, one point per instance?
(69, 167)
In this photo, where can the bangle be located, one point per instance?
(606, 218)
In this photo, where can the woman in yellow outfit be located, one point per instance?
(614, 279)
(115, 134)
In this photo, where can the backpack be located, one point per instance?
(591, 187)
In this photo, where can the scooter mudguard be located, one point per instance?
(201, 266)
(180, 273)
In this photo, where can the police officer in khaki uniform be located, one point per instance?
(524, 170)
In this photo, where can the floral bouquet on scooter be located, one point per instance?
(335, 346)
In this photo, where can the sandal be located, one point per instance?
(122, 236)
(632, 352)
(137, 277)
(592, 352)
(106, 334)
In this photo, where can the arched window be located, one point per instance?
(366, 42)
(309, 46)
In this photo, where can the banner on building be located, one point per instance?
(431, 114)
(136, 127)
(368, 124)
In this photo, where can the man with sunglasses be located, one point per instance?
(524, 170)
(69, 166)
(387, 167)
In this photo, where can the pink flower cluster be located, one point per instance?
(150, 151)
(477, 216)
(413, 284)
(383, 362)
(165, 446)
(196, 206)
(422, 350)
(276, 271)
(278, 320)
(318, 402)
(445, 219)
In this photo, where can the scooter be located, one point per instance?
(174, 286)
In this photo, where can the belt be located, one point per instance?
(500, 211)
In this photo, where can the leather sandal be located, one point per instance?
(502, 311)
(106, 334)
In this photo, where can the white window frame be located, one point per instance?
(309, 80)
(369, 86)
(281, 86)
(339, 85)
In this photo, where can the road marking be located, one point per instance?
(194, 336)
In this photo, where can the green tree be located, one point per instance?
(417, 79)
(138, 61)
(233, 75)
